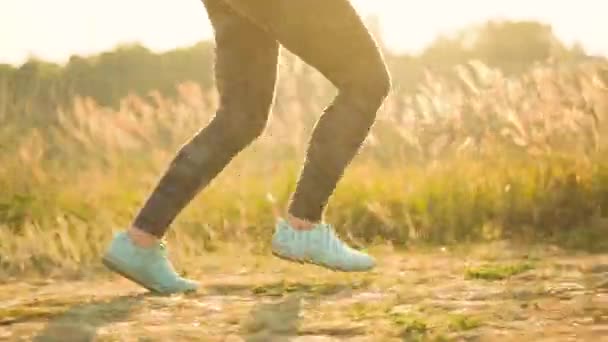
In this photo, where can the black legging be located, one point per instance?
(328, 35)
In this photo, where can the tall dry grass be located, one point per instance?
(482, 157)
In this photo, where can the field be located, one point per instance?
(482, 293)
(485, 197)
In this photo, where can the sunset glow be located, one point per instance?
(54, 30)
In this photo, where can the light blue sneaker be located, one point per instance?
(148, 267)
(320, 246)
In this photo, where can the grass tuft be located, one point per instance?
(497, 271)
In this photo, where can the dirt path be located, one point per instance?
(485, 294)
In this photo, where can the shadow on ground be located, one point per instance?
(273, 321)
(281, 321)
(82, 322)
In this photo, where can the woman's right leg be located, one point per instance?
(330, 36)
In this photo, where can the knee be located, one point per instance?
(369, 91)
(227, 134)
(378, 86)
(241, 126)
(251, 128)
(371, 83)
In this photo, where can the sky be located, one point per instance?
(56, 29)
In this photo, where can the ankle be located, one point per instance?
(142, 238)
(300, 224)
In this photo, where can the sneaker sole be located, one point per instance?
(112, 266)
(310, 262)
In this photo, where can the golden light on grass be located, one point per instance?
(436, 169)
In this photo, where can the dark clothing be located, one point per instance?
(326, 34)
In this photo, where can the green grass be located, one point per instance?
(497, 271)
(410, 323)
(463, 322)
(458, 201)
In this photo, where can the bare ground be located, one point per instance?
(486, 293)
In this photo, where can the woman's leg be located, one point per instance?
(246, 69)
(330, 36)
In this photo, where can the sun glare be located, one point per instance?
(55, 30)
